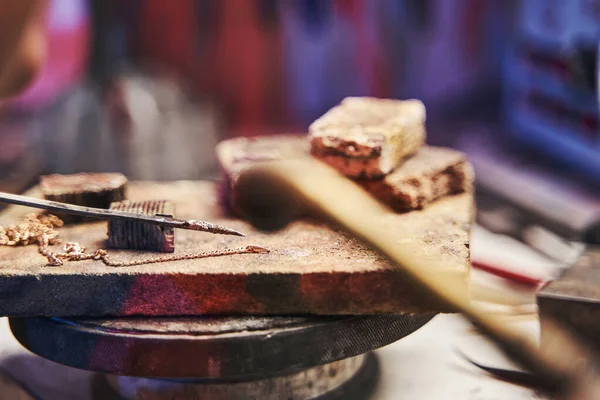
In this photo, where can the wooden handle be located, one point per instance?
(309, 185)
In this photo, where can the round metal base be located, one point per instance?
(220, 349)
(352, 378)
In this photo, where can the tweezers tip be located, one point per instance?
(233, 232)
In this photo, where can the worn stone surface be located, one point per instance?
(432, 173)
(311, 269)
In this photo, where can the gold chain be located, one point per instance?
(40, 229)
(34, 228)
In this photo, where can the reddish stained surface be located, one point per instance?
(316, 288)
(376, 291)
(184, 294)
(210, 294)
(350, 288)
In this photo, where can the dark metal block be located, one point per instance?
(132, 235)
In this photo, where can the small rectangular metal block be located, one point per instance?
(140, 235)
(84, 189)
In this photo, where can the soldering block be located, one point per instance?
(97, 190)
(236, 155)
(429, 175)
(366, 137)
(432, 173)
(133, 235)
(312, 268)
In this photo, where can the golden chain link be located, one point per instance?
(40, 229)
(34, 228)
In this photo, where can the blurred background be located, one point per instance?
(148, 87)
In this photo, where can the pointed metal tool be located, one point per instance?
(100, 213)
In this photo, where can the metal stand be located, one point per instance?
(221, 357)
(353, 378)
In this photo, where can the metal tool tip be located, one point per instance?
(228, 231)
(234, 232)
(212, 228)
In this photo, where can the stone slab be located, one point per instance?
(311, 269)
